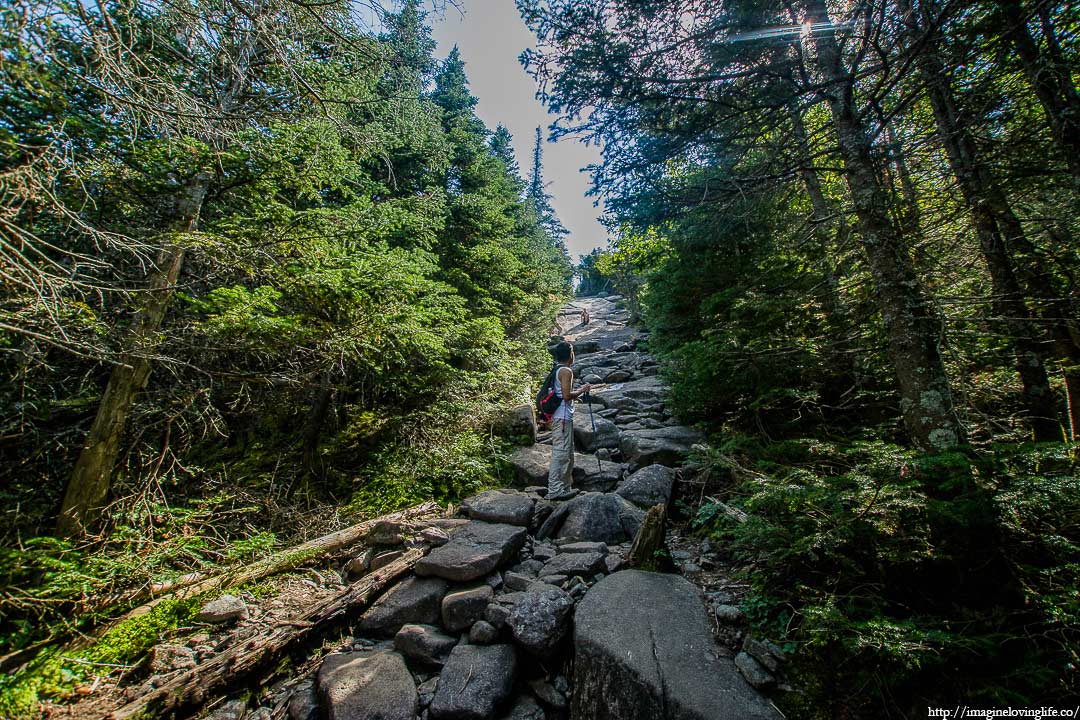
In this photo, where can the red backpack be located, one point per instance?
(547, 402)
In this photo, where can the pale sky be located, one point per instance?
(490, 36)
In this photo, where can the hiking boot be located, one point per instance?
(564, 495)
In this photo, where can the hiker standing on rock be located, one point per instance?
(560, 474)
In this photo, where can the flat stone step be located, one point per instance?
(473, 551)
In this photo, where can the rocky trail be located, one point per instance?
(515, 608)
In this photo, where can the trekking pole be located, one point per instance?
(588, 402)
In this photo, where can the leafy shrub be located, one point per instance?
(920, 580)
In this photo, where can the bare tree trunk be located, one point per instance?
(1051, 78)
(913, 328)
(90, 479)
(316, 419)
(990, 210)
(827, 229)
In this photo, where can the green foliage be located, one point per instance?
(55, 675)
(892, 575)
(457, 463)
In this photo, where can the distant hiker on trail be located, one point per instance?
(561, 471)
(584, 316)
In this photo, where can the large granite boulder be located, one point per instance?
(531, 464)
(658, 446)
(592, 432)
(498, 506)
(648, 486)
(473, 551)
(367, 685)
(540, 617)
(600, 517)
(413, 600)
(658, 660)
(475, 681)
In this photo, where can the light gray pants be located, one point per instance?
(561, 472)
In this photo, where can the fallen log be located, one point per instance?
(283, 560)
(194, 687)
(732, 512)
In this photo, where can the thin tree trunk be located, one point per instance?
(89, 484)
(1051, 80)
(986, 203)
(909, 215)
(827, 229)
(316, 419)
(913, 328)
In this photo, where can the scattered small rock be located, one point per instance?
(167, 658)
(424, 644)
(304, 703)
(234, 709)
(728, 614)
(548, 695)
(754, 673)
(483, 633)
(226, 608)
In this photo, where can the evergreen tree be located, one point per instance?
(537, 193)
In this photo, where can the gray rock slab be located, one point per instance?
(475, 681)
(584, 547)
(592, 432)
(531, 464)
(483, 633)
(500, 507)
(592, 476)
(585, 564)
(601, 517)
(753, 671)
(658, 660)
(517, 422)
(473, 551)
(648, 486)
(412, 601)
(367, 685)
(540, 618)
(658, 446)
(304, 703)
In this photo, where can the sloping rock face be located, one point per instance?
(592, 432)
(484, 627)
(657, 446)
(643, 650)
(473, 551)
